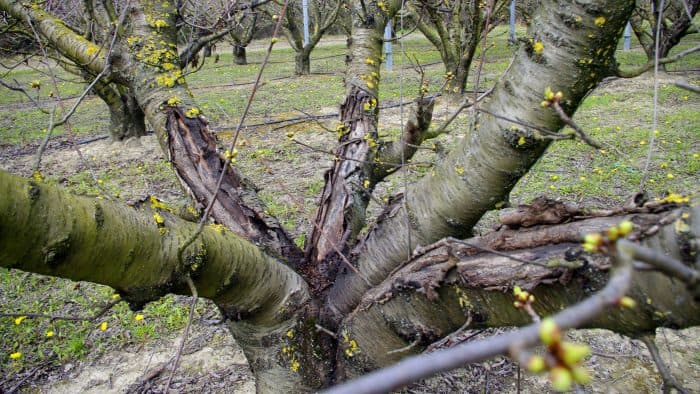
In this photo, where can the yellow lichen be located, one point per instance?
(675, 198)
(538, 47)
(462, 298)
(219, 228)
(157, 204)
(169, 79)
(159, 219)
(599, 21)
(192, 112)
(351, 347)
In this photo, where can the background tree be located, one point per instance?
(374, 292)
(675, 24)
(455, 28)
(322, 16)
(242, 35)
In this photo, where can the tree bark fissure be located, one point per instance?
(346, 192)
(184, 135)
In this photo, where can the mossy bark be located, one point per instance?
(135, 251)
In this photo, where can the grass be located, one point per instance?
(618, 115)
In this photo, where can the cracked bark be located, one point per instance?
(445, 283)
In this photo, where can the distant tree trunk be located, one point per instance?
(302, 62)
(674, 26)
(126, 118)
(239, 55)
(455, 34)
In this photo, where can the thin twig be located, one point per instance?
(405, 348)
(655, 110)
(662, 262)
(325, 330)
(685, 85)
(669, 381)
(193, 291)
(19, 88)
(482, 58)
(449, 338)
(570, 122)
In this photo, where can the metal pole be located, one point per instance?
(305, 13)
(387, 46)
(511, 37)
(628, 37)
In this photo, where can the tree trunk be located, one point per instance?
(302, 62)
(126, 119)
(239, 55)
(183, 132)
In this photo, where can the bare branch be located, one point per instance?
(650, 64)
(668, 379)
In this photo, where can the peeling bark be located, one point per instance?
(445, 284)
(184, 135)
(346, 194)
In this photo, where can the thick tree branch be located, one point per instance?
(430, 296)
(135, 251)
(413, 135)
(184, 135)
